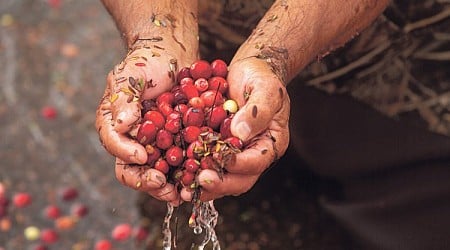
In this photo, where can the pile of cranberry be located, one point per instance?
(188, 128)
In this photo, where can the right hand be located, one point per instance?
(119, 110)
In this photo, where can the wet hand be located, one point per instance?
(261, 122)
(143, 74)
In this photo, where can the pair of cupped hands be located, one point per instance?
(261, 122)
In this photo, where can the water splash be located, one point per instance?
(203, 220)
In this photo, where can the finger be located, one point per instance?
(214, 187)
(140, 76)
(167, 193)
(259, 109)
(142, 178)
(117, 144)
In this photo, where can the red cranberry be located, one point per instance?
(121, 232)
(187, 178)
(189, 90)
(183, 73)
(196, 102)
(193, 117)
(79, 210)
(153, 154)
(21, 200)
(191, 165)
(193, 149)
(52, 212)
(181, 108)
(164, 139)
(191, 133)
(235, 142)
(156, 117)
(146, 133)
(225, 128)
(215, 117)
(49, 236)
(219, 68)
(212, 97)
(174, 156)
(173, 123)
(162, 166)
(165, 108)
(201, 84)
(186, 80)
(69, 194)
(140, 233)
(103, 245)
(166, 97)
(200, 69)
(218, 83)
(207, 162)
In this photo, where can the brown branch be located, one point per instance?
(427, 21)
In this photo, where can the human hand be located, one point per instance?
(262, 122)
(145, 73)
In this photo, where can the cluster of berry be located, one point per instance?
(188, 128)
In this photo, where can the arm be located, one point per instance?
(145, 19)
(290, 36)
(160, 36)
(293, 33)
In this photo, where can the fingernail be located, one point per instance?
(242, 131)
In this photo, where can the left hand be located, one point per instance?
(261, 122)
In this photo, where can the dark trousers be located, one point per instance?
(394, 174)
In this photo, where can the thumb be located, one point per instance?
(261, 102)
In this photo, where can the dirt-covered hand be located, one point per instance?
(261, 122)
(145, 73)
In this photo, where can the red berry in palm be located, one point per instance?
(200, 69)
(156, 117)
(186, 80)
(225, 128)
(196, 102)
(187, 178)
(201, 84)
(218, 83)
(165, 108)
(174, 156)
(212, 97)
(191, 133)
(173, 122)
(180, 96)
(164, 139)
(147, 133)
(207, 163)
(121, 232)
(183, 73)
(189, 90)
(194, 149)
(219, 68)
(216, 116)
(21, 200)
(180, 108)
(191, 165)
(153, 154)
(49, 236)
(52, 212)
(193, 117)
(166, 97)
(235, 142)
(49, 112)
(162, 166)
